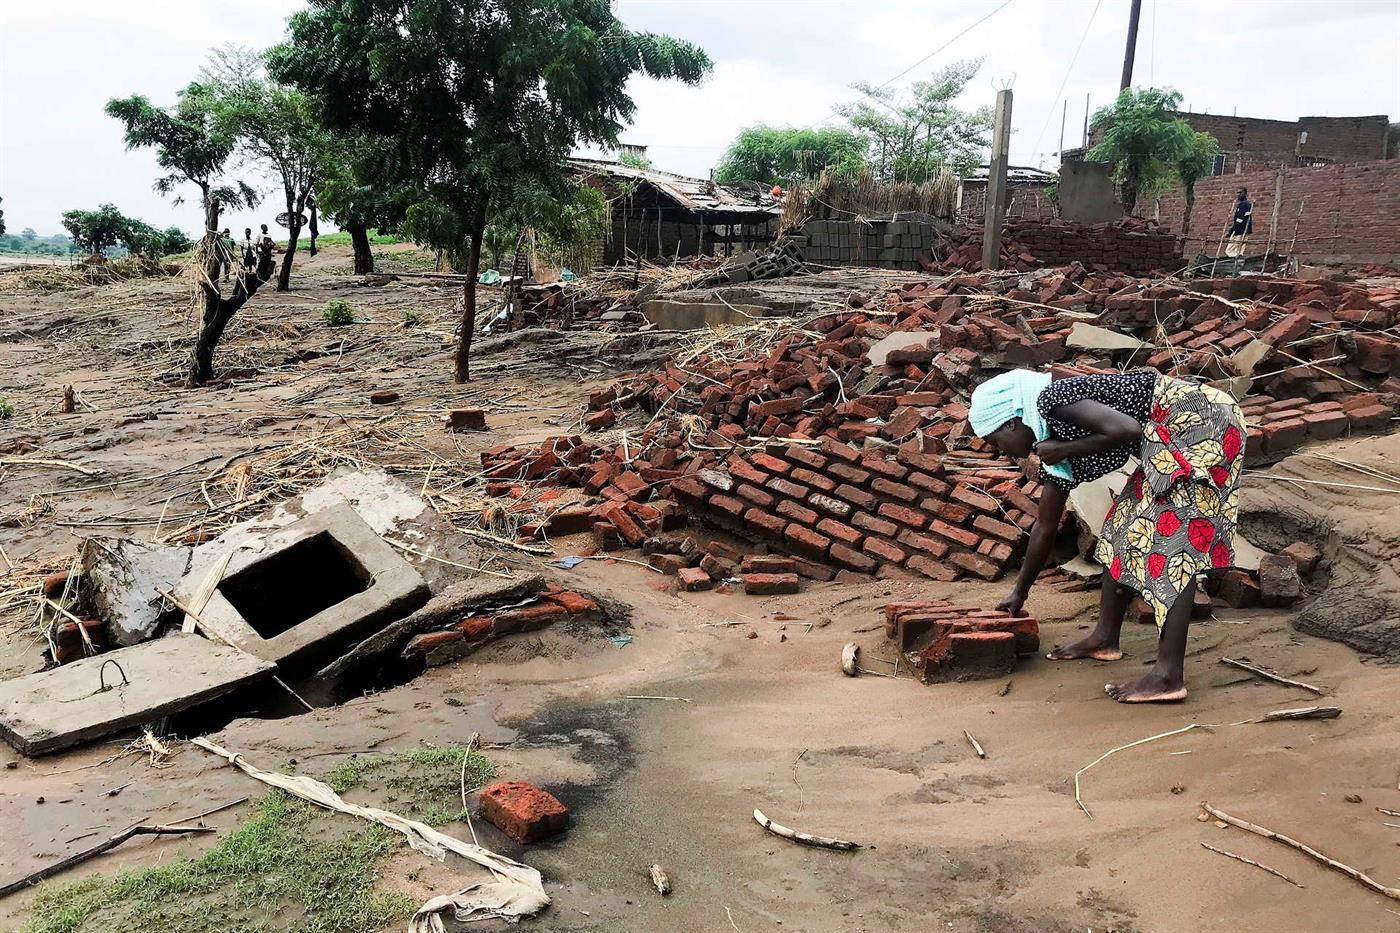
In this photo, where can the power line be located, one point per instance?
(1060, 93)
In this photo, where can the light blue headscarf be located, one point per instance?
(1014, 395)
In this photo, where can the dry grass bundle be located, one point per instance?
(55, 278)
(833, 198)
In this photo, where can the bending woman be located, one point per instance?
(1174, 519)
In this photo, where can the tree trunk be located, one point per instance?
(1130, 191)
(464, 339)
(1186, 217)
(218, 310)
(284, 275)
(364, 256)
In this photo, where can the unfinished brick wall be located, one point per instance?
(879, 243)
(1342, 213)
(1114, 246)
(1026, 202)
(1251, 144)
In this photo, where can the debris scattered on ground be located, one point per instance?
(661, 880)
(806, 839)
(943, 641)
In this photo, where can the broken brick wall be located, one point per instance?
(1342, 213)
(876, 243)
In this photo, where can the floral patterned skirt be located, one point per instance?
(1176, 516)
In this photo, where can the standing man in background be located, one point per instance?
(311, 203)
(1241, 226)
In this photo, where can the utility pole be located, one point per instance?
(1086, 121)
(996, 183)
(1064, 115)
(1132, 45)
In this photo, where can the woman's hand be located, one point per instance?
(1052, 451)
(1013, 603)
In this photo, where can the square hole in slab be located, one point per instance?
(286, 588)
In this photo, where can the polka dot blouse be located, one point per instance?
(1129, 393)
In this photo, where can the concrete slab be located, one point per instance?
(123, 577)
(56, 709)
(898, 340)
(315, 585)
(694, 315)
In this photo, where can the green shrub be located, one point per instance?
(412, 318)
(7, 411)
(338, 313)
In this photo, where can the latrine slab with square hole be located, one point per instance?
(317, 585)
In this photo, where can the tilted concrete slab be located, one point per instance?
(320, 583)
(695, 315)
(55, 709)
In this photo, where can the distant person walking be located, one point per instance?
(311, 203)
(1241, 226)
(266, 267)
(226, 252)
(250, 256)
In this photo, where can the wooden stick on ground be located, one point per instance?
(1250, 861)
(1269, 675)
(1374, 885)
(61, 464)
(1388, 812)
(1113, 751)
(1304, 712)
(35, 877)
(976, 746)
(807, 839)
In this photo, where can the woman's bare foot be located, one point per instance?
(1149, 688)
(1095, 646)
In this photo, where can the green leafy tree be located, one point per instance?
(194, 146)
(479, 102)
(1195, 161)
(780, 155)
(1141, 134)
(636, 160)
(911, 137)
(97, 231)
(29, 234)
(276, 128)
(350, 194)
(141, 239)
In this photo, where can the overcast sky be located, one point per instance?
(784, 62)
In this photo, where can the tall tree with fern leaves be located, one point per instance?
(476, 103)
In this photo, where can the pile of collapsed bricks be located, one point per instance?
(561, 306)
(942, 641)
(844, 443)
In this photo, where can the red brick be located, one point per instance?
(632, 484)
(765, 523)
(930, 568)
(573, 603)
(868, 522)
(929, 483)
(840, 532)
(797, 513)
(979, 501)
(857, 497)
(466, 419)
(690, 490)
(1304, 555)
(528, 618)
(806, 457)
(669, 563)
(768, 563)
(931, 546)
(694, 579)
(770, 584)
(771, 464)
(476, 628)
(806, 542)
(884, 550)
(755, 495)
(1284, 435)
(523, 811)
(950, 512)
(746, 472)
(836, 449)
(718, 568)
(434, 648)
(847, 473)
(815, 480)
(728, 504)
(1325, 425)
(778, 406)
(1370, 418)
(852, 559)
(1287, 330)
(894, 490)
(977, 566)
(886, 468)
(989, 525)
(793, 491)
(902, 514)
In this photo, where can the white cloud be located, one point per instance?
(785, 62)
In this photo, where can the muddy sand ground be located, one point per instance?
(951, 842)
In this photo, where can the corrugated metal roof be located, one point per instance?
(694, 194)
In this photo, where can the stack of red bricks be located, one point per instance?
(466, 635)
(960, 249)
(947, 642)
(1278, 426)
(836, 507)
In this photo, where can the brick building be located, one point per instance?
(1025, 194)
(1249, 143)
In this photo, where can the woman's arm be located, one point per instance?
(1047, 523)
(1107, 427)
